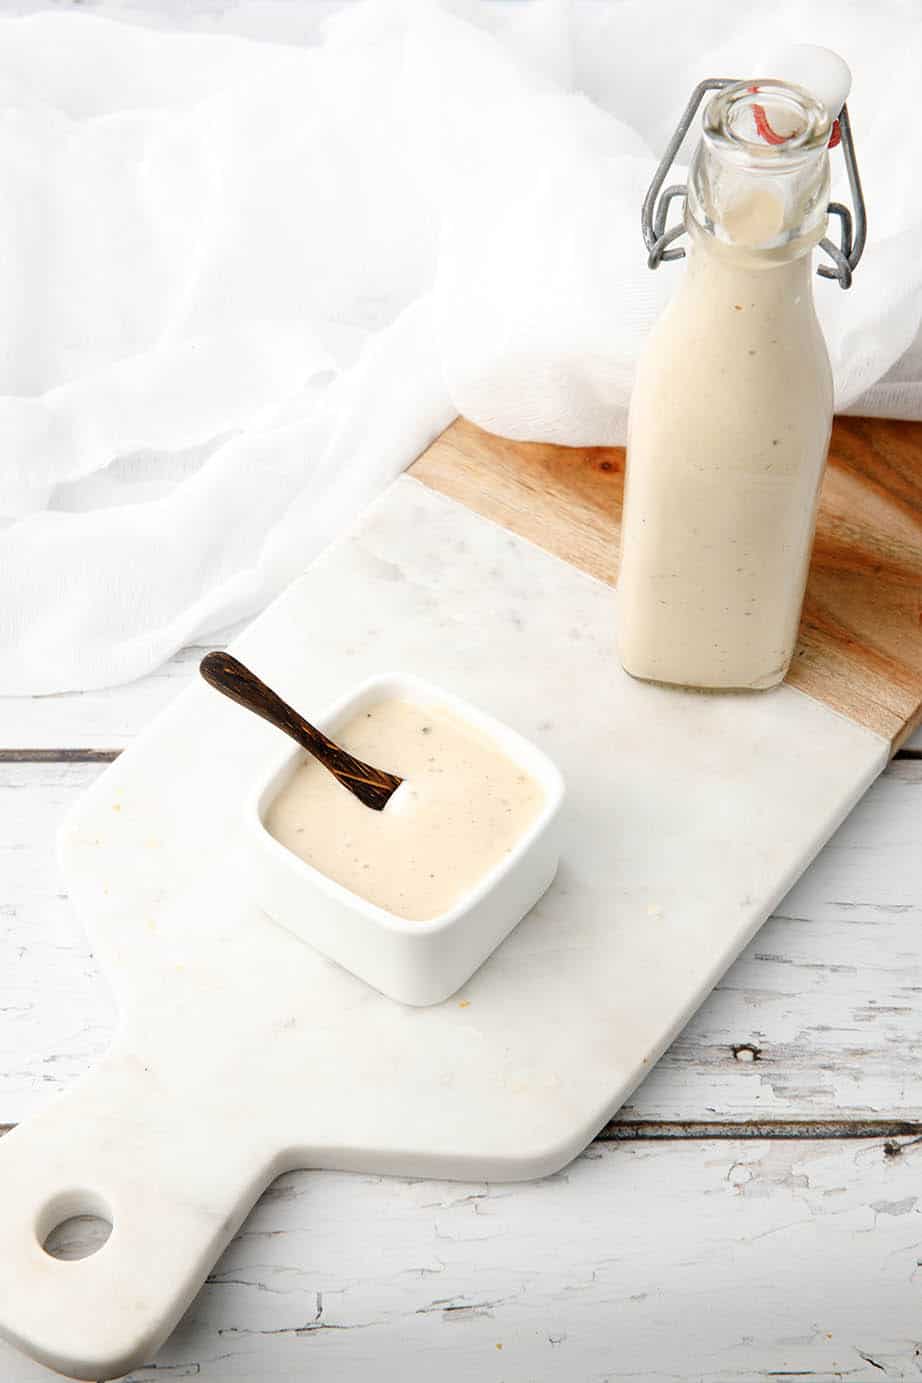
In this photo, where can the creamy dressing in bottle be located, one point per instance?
(731, 411)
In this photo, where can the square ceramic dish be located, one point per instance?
(413, 962)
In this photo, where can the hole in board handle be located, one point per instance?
(74, 1225)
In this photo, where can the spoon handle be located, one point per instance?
(227, 674)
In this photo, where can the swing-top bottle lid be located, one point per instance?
(775, 127)
(818, 70)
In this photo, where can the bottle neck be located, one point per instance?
(759, 182)
(719, 279)
(716, 260)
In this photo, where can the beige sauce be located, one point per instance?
(462, 808)
(729, 426)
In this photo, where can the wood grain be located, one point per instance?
(720, 1262)
(102, 719)
(860, 645)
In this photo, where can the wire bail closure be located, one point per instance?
(659, 240)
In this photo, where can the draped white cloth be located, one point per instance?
(242, 283)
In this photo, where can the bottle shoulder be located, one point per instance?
(754, 324)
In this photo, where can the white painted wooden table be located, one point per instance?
(754, 1212)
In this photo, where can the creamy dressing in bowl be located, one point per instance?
(461, 810)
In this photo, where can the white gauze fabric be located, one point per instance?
(243, 283)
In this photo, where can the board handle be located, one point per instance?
(174, 1177)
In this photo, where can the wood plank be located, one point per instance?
(102, 722)
(860, 646)
(567, 500)
(661, 1261)
(105, 719)
(819, 1020)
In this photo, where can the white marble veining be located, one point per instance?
(241, 1052)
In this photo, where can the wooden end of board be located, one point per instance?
(860, 645)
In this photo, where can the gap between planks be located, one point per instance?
(108, 756)
(699, 1131)
(58, 756)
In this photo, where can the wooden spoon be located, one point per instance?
(227, 674)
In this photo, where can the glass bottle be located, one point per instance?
(732, 408)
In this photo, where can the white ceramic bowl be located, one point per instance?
(414, 962)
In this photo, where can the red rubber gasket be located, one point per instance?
(765, 131)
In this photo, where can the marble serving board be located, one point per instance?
(242, 1053)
